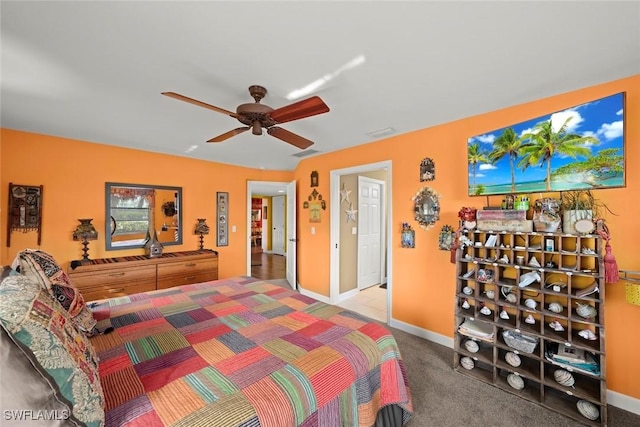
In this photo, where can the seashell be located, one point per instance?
(515, 381)
(505, 290)
(466, 304)
(490, 294)
(512, 298)
(555, 307)
(586, 311)
(485, 310)
(467, 290)
(504, 315)
(588, 410)
(512, 359)
(471, 346)
(467, 362)
(530, 320)
(531, 303)
(556, 326)
(564, 378)
(588, 335)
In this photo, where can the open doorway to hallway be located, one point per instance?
(360, 224)
(266, 234)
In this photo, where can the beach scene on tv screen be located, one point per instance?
(581, 147)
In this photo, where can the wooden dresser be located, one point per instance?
(114, 277)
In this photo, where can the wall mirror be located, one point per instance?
(427, 207)
(134, 211)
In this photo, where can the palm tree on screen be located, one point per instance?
(507, 144)
(475, 156)
(544, 144)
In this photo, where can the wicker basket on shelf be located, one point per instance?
(520, 341)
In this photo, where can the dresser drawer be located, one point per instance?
(186, 272)
(114, 282)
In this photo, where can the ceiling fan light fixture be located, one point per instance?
(256, 128)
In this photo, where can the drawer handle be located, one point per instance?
(190, 278)
(190, 265)
(114, 291)
(116, 274)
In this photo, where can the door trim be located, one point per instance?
(251, 189)
(334, 214)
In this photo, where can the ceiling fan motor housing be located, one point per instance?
(252, 113)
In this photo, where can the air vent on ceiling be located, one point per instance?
(381, 132)
(306, 153)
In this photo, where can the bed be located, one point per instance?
(245, 352)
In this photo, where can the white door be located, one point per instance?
(291, 235)
(370, 202)
(277, 225)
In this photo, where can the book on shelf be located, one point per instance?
(570, 354)
(591, 289)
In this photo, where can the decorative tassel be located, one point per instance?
(454, 249)
(610, 266)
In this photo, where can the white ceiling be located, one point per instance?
(94, 70)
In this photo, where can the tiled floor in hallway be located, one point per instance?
(370, 302)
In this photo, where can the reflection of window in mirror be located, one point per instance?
(134, 211)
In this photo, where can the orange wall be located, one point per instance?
(73, 174)
(423, 282)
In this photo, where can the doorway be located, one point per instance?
(272, 260)
(344, 249)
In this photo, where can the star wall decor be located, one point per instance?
(344, 194)
(351, 213)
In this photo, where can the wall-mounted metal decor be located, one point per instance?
(426, 208)
(314, 179)
(25, 210)
(427, 170)
(447, 238)
(408, 236)
(222, 210)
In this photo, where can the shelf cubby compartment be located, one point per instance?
(532, 387)
(529, 366)
(584, 387)
(566, 403)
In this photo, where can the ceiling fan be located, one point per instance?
(256, 116)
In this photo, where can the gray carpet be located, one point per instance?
(443, 397)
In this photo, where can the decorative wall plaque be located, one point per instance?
(25, 210)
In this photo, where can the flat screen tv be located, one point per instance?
(581, 147)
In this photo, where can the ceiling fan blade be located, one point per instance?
(299, 110)
(199, 103)
(229, 134)
(289, 137)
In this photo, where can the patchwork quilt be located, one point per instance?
(244, 352)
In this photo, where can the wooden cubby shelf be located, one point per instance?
(549, 288)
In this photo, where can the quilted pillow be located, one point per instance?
(62, 355)
(43, 269)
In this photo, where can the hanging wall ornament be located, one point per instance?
(426, 208)
(351, 213)
(427, 170)
(344, 194)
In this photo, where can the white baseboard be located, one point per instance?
(423, 333)
(614, 398)
(314, 295)
(623, 401)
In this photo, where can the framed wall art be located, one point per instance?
(222, 210)
(25, 210)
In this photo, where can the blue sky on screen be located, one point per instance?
(602, 118)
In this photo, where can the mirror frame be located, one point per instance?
(430, 198)
(109, 218)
